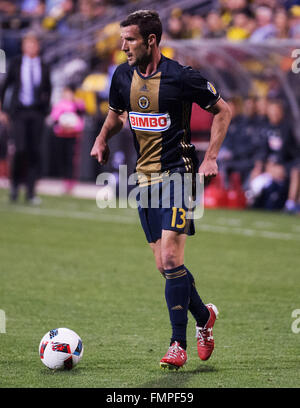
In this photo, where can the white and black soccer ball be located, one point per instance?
(61, 349)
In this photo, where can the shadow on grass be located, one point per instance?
(74, 372)
(175, 379)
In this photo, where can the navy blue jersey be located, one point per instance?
(159, 111)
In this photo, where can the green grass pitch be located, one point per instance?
(70, 264)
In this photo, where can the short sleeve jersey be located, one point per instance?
(159, 110)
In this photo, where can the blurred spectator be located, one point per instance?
(274, 86)
(57, 14)
(29, 79)
(195, 25)
(229, 7)
(225, 157)
(7, 7)
(67, 15)
(238, 150)
(55, 8)
(11, 22)
(215, 26)
(241, 27)
(272, 4)
(281, 22)
(261, 122)
(273, 178)
(68, 124)
(265, 26)
(261, 106)
(175, 25)
(91, 9)
(4, 135)
(33, 8)
(294, 22)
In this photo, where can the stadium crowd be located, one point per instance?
(234, 20)
(239, 20)
(260, 146)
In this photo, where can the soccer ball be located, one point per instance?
(61, 349)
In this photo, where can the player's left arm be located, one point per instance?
(220, 123)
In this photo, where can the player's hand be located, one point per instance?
(100, 151)
(208, 169)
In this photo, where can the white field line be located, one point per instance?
(107, 217)
(133, 219)
(248, 232)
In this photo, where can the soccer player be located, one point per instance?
(156, 94)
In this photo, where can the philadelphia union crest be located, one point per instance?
(144, 102)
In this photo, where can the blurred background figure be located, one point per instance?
(275, 176)
(265, 27)
(238, 151)
(242, 25)
(215, 25)
(29, 80)
(175, 25)
(294, 21)
(32, 7)
(281, 23)
(4, 136)
(68, 125)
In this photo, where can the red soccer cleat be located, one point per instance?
(175, 358)
(204, 335)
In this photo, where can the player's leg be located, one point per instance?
(196, 306)
(204, 316)
(177, 294)
(181, 296)
(172, 259)
(177, 289)
(18, 164)
(33, 145)
(156, 249)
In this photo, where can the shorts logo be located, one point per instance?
(211, 88)
(144, 102)
(149, 122)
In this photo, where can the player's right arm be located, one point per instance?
(113, 124)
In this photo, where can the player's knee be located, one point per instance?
(169, 259)
(159, 266)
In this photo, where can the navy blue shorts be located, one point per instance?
(162, 206)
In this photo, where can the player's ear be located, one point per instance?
(151, 40)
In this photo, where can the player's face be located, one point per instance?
(134, 46)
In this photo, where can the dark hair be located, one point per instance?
(148, 22)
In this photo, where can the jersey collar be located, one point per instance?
(162, 58)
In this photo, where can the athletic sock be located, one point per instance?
(177, 293)
(196, 306)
